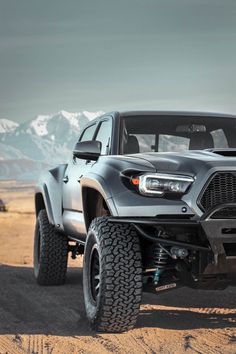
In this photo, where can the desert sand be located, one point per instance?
(48, 320)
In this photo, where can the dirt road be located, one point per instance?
(47, 320)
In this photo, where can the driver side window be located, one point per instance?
(104, 136)
(88, 133)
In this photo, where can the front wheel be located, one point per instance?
(112, 276)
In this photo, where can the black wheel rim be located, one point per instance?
(94, 273)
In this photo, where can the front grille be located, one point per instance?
(225, 213)
(221, 189)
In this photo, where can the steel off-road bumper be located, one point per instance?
(218, 253)
(221, 234)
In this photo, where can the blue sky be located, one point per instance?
(110, 55)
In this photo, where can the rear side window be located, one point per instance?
(219, 139)
(146, 142)
(88, 133)
(104, 136)
(173, 143)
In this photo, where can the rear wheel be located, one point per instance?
(112, 276)
(50, 252)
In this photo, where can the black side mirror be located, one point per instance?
(88, 150)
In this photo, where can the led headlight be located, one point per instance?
(157, 184)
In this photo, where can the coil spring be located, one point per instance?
(160, 257)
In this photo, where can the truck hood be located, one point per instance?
(190, 162)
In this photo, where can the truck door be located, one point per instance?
(73, 220)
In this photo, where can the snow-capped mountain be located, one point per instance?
(47, 139)
(7, 125)
(44, 125)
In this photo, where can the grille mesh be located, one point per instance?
(220, 190)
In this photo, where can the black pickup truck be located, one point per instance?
(149, 199)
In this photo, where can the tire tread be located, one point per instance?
(53, 253)
(121, 264)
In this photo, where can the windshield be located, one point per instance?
(176, 133)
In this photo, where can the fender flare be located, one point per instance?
(97, 183)
(43, 191)
(50, 188)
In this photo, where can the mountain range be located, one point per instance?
(27, 148)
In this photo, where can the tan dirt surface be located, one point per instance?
(48, 320)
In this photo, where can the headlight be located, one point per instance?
(157, 184)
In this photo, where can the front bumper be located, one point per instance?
(219, 234)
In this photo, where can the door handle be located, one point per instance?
(65, 179)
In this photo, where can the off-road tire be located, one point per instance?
(116, 307)
(50, 252)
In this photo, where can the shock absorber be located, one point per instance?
(160, 261)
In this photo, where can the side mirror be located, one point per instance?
(88, 150)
